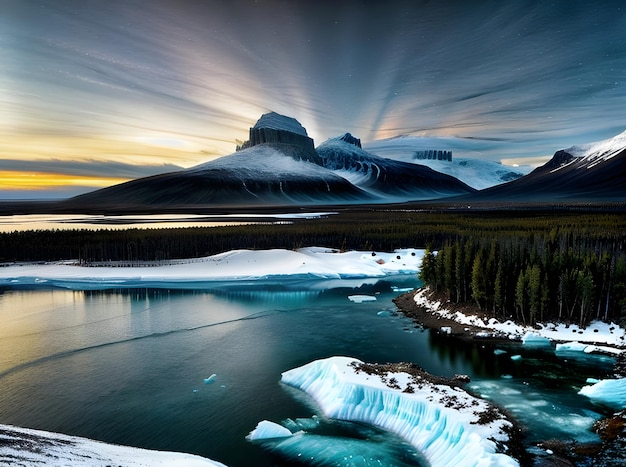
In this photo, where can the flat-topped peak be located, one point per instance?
(276, 121)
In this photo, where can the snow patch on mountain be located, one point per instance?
(595, 153)
(264, 161)
(277, 121)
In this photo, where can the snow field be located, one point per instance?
(34, 447)
(237, 265)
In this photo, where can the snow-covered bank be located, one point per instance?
(446, 424)
(598, 337)
(26, 447)
(605, 337)
(238, 265)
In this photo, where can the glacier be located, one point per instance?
(441, 422)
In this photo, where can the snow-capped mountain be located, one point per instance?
(477, 173)
(279, 165)
(386, 177)
(259, 175)
(593, 172)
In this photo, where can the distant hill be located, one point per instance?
(592, 173)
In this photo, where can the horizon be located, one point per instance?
(95, 94)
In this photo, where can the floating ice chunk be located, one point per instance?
(499, 352)
(516, 357)
(386, 313)
(533, 338)
(446, 435)
(361, 298)
(268, 430)
(210, 379)
(592, 381)
(446, 329)
(609, 392)
(573, 346)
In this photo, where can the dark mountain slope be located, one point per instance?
(593, 173)
(386, 178)
(260, 175)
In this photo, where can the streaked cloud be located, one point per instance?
(163, 83)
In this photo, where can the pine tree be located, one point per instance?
(479, 282)
(520, 295)
(427, 270)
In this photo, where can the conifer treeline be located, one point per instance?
(532, 265)
(536, 278)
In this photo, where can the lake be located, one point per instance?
(128, 366)
(22, 222)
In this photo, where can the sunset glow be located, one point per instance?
(145, 84)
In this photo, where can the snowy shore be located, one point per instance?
(26, 447)
(597, 337)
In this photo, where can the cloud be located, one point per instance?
(87, 168)
(536, 75)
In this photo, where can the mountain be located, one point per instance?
(589, 173)
(386, 178)
(477, 173)
(279, 165)
(259, 175)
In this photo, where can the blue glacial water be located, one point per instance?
(128, 366)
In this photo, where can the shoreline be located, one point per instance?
(469, 322)
(431, 314)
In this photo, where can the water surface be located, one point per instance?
(128, 366)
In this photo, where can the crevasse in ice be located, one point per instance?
(438, 420)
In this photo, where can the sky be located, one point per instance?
(95, 92)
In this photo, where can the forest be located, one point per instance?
(534, 265)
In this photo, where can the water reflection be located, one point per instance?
(25, 222)
(127, 365)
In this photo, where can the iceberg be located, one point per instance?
(609, 392)
(536, 339)
(25, 446)
(446, 424)
(268, 430)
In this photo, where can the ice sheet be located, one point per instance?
(437, 420)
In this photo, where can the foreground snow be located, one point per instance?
(442, 422)
(593, 336)
(238, 265)
(26, 447)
